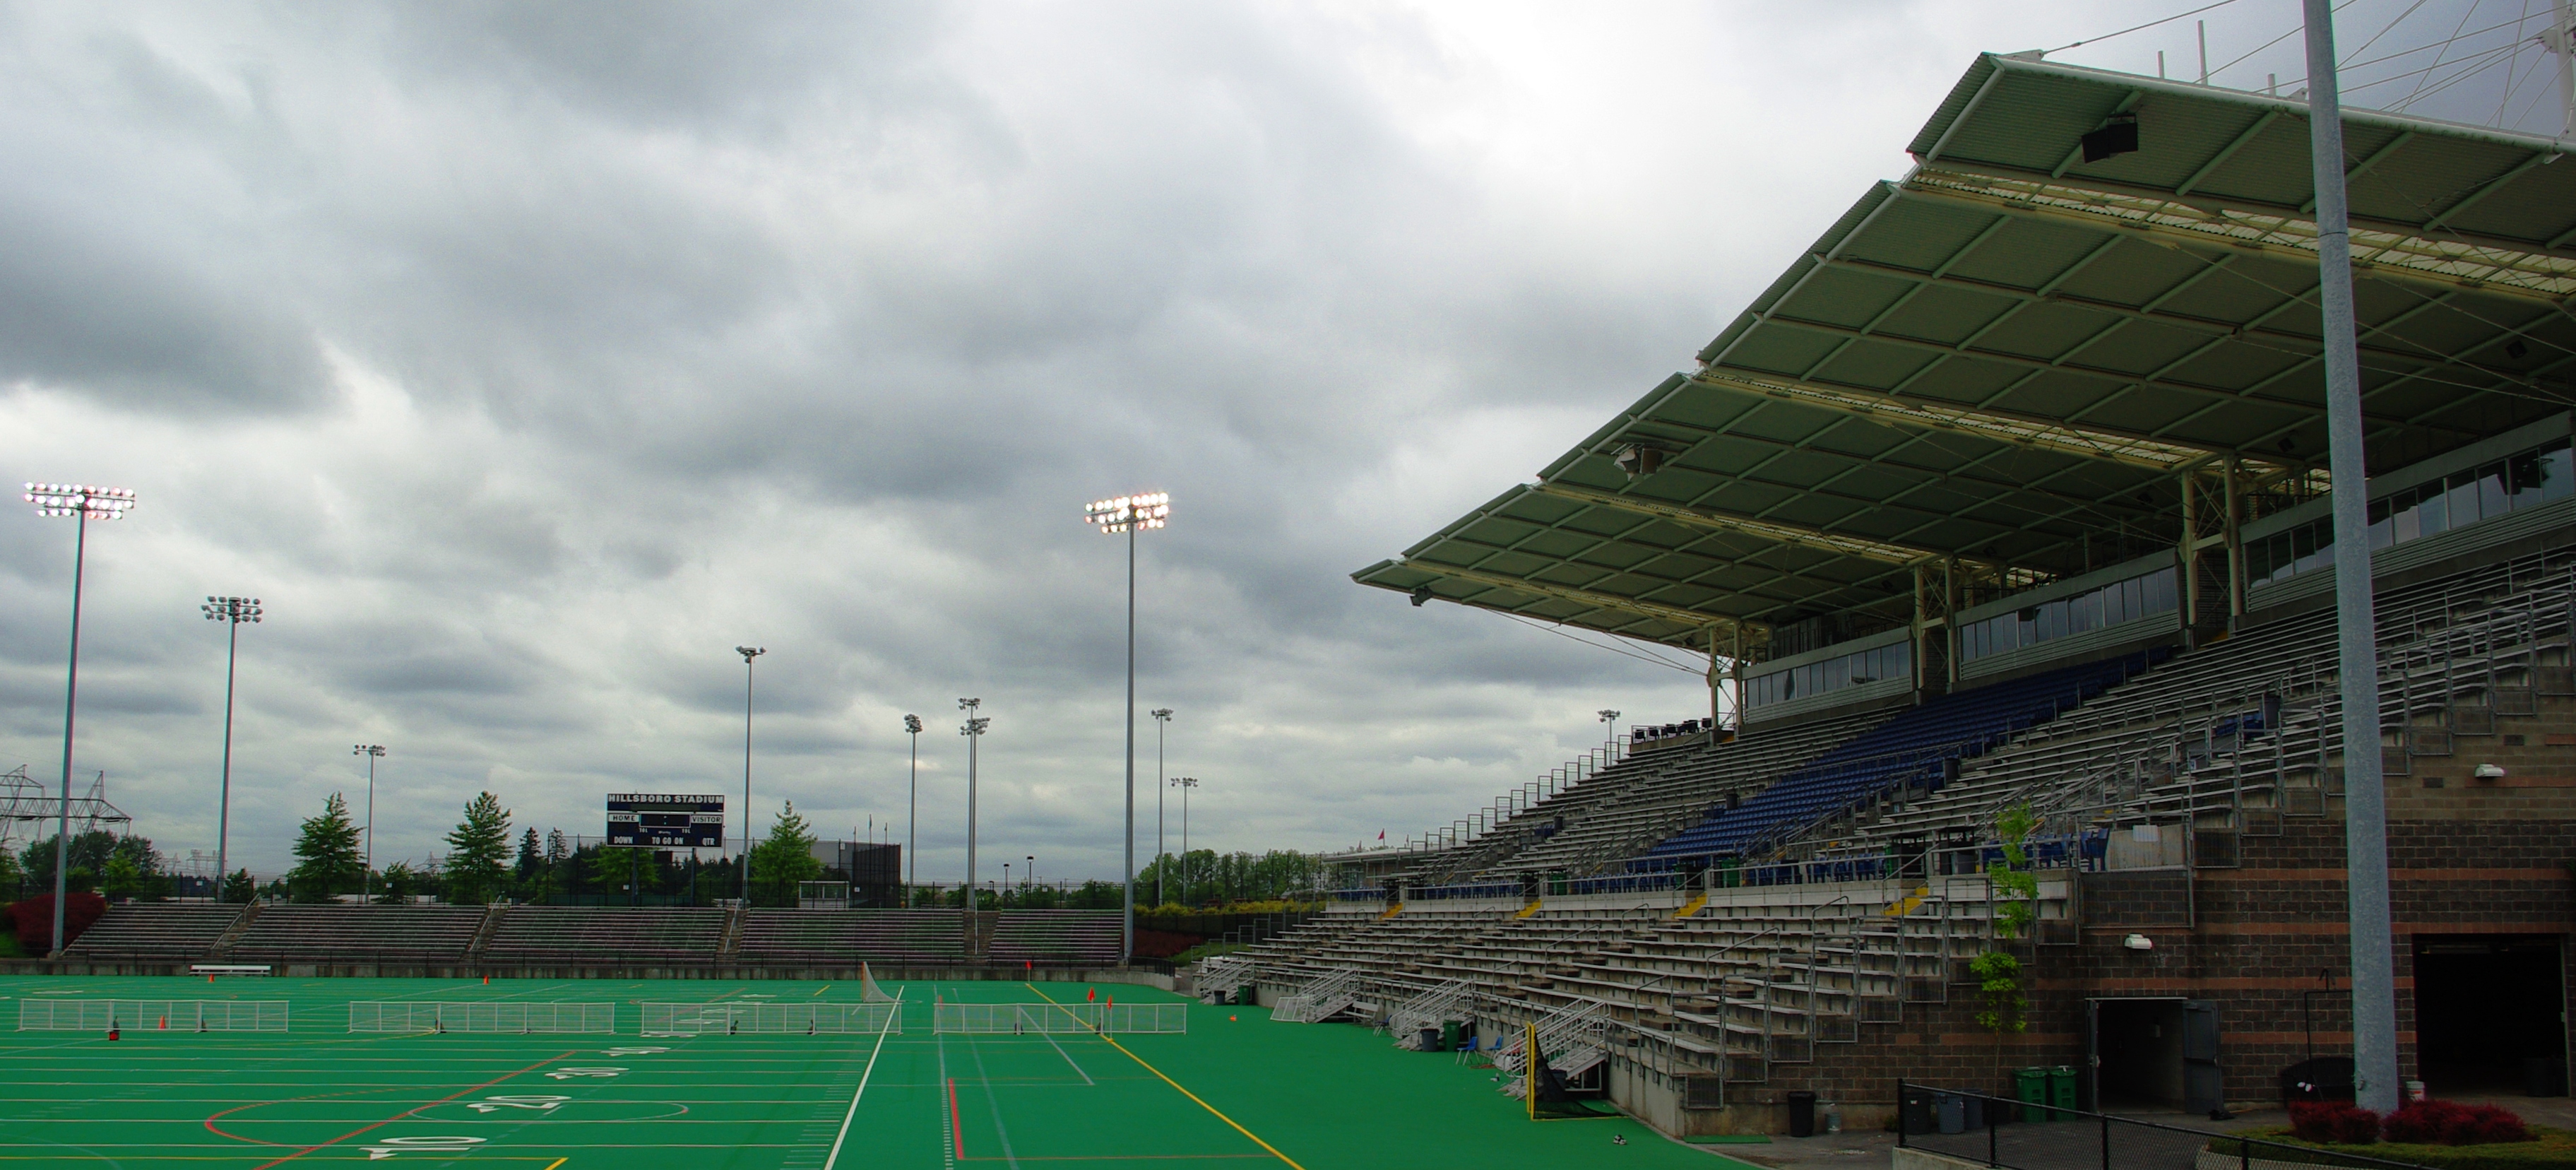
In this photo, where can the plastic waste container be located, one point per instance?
(1430, 1040)
(1802, 1113)
(1449, 1030)
(1249, 995)
(1916, 1110)
(1951, 1112)
(2061, 1090)
(2030, 1087)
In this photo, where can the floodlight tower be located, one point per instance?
(973, 730)
(84, 503)
(748, 653)
(1162, 719)
(1610, 742)
(367, 877)
(1130, 514)
(1185, 783)
(912, 811)
(232, 611)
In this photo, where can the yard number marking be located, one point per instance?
(389, 1147)
(516, 1101)
(634, 1051)
(565, 1074)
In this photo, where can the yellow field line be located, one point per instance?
(1220, 1114)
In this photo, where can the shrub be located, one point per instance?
(2334, 1122)
(2447, 1123)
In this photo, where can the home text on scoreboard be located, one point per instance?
(651, 820)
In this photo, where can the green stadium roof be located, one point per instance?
(2017, 358)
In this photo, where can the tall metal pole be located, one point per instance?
(974, 733)
(1127, 943)
(224, 799)
(1162, 719)
(912, 812)
(2374, 996)
(748, 653)
(71, 692)
(367, 877)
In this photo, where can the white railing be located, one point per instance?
(1226, 971)
(393, 1015)
(1429, 1009)
(177, 1015)
(1573, 1038)
(770, 1019)
(1336, 992)
(1037, 1019)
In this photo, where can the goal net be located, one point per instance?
(178, 1015)
(394, 1015)
(771, 1019)
(1051, 1018)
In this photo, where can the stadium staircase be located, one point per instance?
(1575, 1040)
(223, 945)
(729, 941)
(1427, 1010)
(483, 934)
(1322, 998)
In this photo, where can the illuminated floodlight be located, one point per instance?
(1144, 510)
(86, 501)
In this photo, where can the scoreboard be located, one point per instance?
(653, 820)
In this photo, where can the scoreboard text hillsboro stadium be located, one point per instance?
(652, 820)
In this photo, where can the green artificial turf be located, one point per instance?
(1236, 1090)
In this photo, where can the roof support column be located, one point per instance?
(2187, 559)
(2235, 471)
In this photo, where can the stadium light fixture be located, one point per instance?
(232, 611)
(84, 503)
(1185, 784)
(1610, 719)
(748, 653)
(912, 812)
(367, 877)
(973, 730)
(1162, 719)
(1130, 514)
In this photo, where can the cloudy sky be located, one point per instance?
(526, 358)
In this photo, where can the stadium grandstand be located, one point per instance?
(2000, 518)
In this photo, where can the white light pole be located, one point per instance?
(973, 730)
(367, 877)
(1130, 514)
(232, 611)
(748, 653)
(84, 503)
(912, 812)
(1162, 719)
(1185, 783)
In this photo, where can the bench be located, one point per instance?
(228, 969)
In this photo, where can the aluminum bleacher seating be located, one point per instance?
(569, 934)
(359, 934)
(155, 931)
(1058, 937)
(851, 936)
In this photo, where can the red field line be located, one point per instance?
(210, 1122)
(956, 1130)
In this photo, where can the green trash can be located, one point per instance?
(1449, 1035)
(2030, 1086)
(1249, 995)
(2061, 1089)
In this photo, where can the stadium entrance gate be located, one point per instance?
(2153, 1053)
(2490, 1014)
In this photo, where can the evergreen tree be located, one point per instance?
(237, 887)
(477, 851)
(556, 849)
(327, 857)
(394, 887)
(532, 858)
(782, 860)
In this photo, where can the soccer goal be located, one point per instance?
(177, 1015)
(1053, 1018)
(396, 1015)
(771, 1019)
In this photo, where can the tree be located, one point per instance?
(395, 886)
(477, 850)
(782, 860)
(2005, 1005)
(90, 850)
(13, 879)
(237, 887)
(327, 856)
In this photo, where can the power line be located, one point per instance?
(2148, 25)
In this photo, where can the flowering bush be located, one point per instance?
(2446, 1123)
(2337, 1122)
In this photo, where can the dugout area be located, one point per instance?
(1184, 1084)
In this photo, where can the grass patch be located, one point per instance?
(2553, 1148)
(1192, 955)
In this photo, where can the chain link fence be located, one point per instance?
(2016, 1135)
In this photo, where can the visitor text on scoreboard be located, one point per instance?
(658, 821)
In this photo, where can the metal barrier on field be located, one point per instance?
(176, 1015)
(394, 1015)
(810, 1019)
(1048, 1018)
